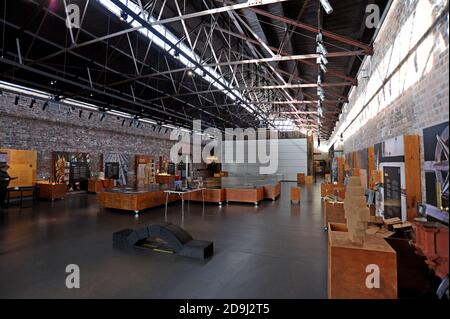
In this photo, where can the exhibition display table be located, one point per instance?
(182, 194)
(134, 199)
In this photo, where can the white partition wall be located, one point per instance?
(292, 158)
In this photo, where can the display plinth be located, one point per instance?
(133, 201)
(296, 195)
(164, 179)
(52, 191)
(272, 191)
(97, 185)
(245, 195)
(333, 212)
(347, 266)
(327, 189)
(211, 195)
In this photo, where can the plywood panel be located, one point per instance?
(340, 163)
(371, 166)
(347, 267)
(412, 174)
(22, 165)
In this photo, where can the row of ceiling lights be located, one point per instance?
(322, 62)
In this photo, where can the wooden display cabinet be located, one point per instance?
(133, 201)
(245, 195)
(97, 185)
(52, 191)
(211, 195)
(333, 212)
(164, 179)
(145, 169)
(332, 189)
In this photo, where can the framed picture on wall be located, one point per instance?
(435, 141)
(390, 160)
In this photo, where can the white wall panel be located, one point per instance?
(292, 159)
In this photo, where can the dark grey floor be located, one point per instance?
(275, 251)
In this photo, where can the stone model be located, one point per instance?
(356, 211)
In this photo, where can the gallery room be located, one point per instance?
(271, 149)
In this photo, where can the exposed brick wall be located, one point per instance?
(407, 88)
(60, 129)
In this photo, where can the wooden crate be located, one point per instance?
(347, 264)
(301, 178)
(97, 185)
(296, 195)
(52, 191)
(245, 195)
(333, 212)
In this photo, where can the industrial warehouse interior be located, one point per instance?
(260, 149)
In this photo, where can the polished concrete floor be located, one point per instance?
(277, 250)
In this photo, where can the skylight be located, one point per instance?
(220, 83)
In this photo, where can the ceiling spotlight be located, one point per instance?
(44, 106)
(53, 82)
(90, 115)
(16, 101)
(320, 90)
(138, 124)
(123, 122)
(323, 67)
(190, 73)
(321, 48)
(326, 6)
(322, 59)
(33, 100)
(103, 117)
